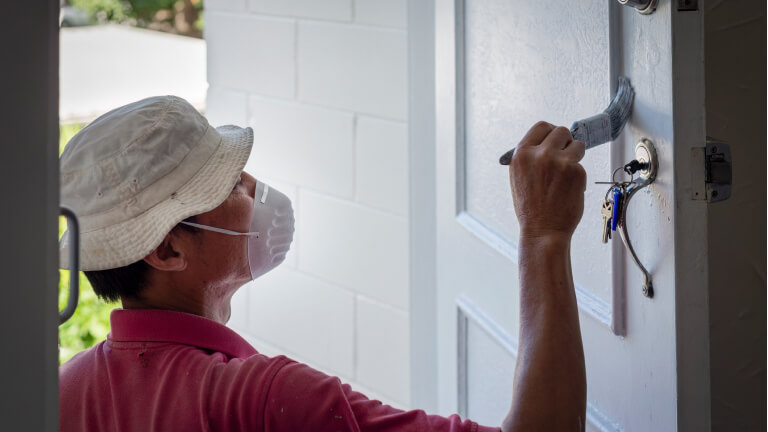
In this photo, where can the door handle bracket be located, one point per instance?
(645, 154)
(73, 226)
(644, 7)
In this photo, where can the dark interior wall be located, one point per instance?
(28, 221)
(735, 68)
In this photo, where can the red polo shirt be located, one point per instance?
(172, 371)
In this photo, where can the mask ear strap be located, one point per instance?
(264, 195)
(219, 230)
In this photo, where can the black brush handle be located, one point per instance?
(506, 158)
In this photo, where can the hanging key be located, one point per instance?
(618, 196)
(607, 212)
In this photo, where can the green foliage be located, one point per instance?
(104, 10)
(66, 132)
(146, 9)
(121, 10)
(199, 23)
(90, 324)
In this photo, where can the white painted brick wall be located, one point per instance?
(226, 5)
(357, 68)
(309, 146)
(390, 13)
(231, 107)
(382, 164)
(335, 10)
(323, 83)
(379, 342)
(251, 53)
(355, 247)
(306, 316)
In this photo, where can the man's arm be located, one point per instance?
(548, 185)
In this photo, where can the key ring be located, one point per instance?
(631, 175)
(623, 185)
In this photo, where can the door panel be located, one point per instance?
(520, 69)
(487, 356)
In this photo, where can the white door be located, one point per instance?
(501, 65)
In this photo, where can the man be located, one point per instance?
(172, 227)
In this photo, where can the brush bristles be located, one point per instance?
(620, 107)
(606, 126)
(603, 127)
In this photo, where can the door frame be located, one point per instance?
(422, 205)
(29, 181)
(694, 410)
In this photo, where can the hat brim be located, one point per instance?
(129, 241)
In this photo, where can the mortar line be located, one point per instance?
(355, 346)
(296, 59)
(355, 151)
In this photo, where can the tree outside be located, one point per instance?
(173, 16)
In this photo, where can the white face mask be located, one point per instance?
(271, 231)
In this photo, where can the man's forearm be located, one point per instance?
(550, 380)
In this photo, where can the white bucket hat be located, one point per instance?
(137, 171)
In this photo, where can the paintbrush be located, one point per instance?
(600, 128)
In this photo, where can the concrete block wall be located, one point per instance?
(323, 84)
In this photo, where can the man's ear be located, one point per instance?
(166, 257)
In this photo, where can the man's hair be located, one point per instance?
(127, 281)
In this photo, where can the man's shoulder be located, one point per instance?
(82, 371)
(258, 367)
(81, 361)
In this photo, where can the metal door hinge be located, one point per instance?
(713, 182)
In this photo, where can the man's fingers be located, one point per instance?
(558, 139)
(575, 150)
(536, 134)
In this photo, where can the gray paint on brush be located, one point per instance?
(600, 128)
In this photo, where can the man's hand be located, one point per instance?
(550, 389)
(548, 182)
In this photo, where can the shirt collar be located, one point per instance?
(156, 325)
